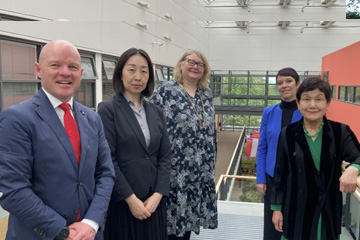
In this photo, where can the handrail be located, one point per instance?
(357, 192)
(233, 166)
(221, 179)
(235, 152)
(231, 176)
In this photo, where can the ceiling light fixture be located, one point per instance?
(142, 25)
(168, 17)
(168, 38)
(327, 24)
(242, 2)
(283, 24)
(158, 43)
(143, 4)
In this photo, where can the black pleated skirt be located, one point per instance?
(122, 225)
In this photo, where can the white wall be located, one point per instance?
(273, 49)
(109, 26)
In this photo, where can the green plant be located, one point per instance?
(250, 193)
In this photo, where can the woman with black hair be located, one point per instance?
(308, 181)
(274, 118)
(140, 149)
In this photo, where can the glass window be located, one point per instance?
(239, 73)
(223, 73)
(159, 75)
(17, 61)
(239, 77)
(341, 94)
(235, 120)
(257, 102)
(215, 84)
(272, 80)
(108, 69)
(273, 102)
(350, 94)
(273, 90)
(171, 73)
(165, 71)
(107, 90)
(257, 77)
(239, 89)
(89, 70)
(326, 75)
(13, 93)
(238, 102)
(333, 89)
(255, 120)
(225, 88)
(85, 94)
(225, 101)
(257, 89)
(314, 74)
(357, 95)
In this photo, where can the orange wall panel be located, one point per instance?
(344, 69)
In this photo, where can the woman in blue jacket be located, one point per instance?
(274, 118)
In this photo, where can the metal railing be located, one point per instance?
(224, 187)
(232, 168)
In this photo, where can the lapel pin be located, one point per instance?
(82, 112)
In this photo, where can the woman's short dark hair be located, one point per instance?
(313, 83)
(288, 72)
(118, 84)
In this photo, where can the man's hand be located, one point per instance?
(152, 202)
(277, 219)
(348, 180)
(137, 207)
(261, 187)
(82, 231)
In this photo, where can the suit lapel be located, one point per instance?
(46, 111)
(122, 104)
(83, 125)
(152, 121)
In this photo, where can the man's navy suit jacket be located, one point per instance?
(43, 187)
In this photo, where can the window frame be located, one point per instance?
(3, 81)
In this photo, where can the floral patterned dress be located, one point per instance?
(192, 198)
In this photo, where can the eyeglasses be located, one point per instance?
(193, 63)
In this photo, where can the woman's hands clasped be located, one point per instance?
(142, 210)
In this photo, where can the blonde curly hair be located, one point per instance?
(204, 80)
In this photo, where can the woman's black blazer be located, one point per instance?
(138, 168)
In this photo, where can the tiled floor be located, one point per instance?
(233, 227)
(241, 221)
(237, 221)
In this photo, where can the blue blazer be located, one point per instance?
(43, 188)
(269, 134)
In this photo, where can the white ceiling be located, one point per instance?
(234, 34)
(268, 34)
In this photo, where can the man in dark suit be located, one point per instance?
(54, 187)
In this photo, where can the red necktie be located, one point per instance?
(72, 130)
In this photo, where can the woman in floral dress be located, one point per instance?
(188, 107)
